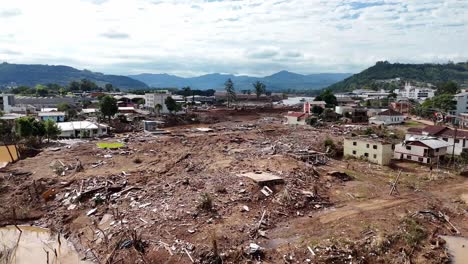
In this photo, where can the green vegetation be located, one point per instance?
(230, 92)
(328, 97)
(259, 88)
(110, 145)
(411, 123)
(52, 131)
(108, 106)
(415, 233)
(32, 75)
(383, 70)
(171, 105)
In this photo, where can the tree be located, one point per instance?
(442, 102)
(449, 87)
(29, 128)
(259, 88)
(52, 131)
(41, 90)
(87, 85)
(69, 111)
(108, 87)
(74, 86)
(230, 91)
(328, 97)
(158, 108)
(317, 110)
(172, 105)
(108, 106)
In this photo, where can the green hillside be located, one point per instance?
(431, 73)
(30, 75)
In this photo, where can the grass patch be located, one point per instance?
(110, 145)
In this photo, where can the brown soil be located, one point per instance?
(176, 176)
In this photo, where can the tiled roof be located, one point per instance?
(439, 131)
(390, 112)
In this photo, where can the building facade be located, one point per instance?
(152, 100)
(387, 117)
(457, 139)
(54, 116)
(415, 93)
(427, 150)
(82, 129)
(374, 150)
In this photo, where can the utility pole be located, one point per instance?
(453, 149)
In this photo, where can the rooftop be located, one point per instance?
(51, 114)
(78, 125)
(438, 131)
(390, 112)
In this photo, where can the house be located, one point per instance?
(78, 129)
(126, 110)
(423, 149)
(54, 116)
(458, 139)
(401, 106)
(297, 118)
(416, 93)
(321, 104)
(377, 151)
(387, 117)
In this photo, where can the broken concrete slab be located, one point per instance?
(263, 178)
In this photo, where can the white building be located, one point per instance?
(154, 99)
(79, 129)
(423, 150)
(415, 93)
(462, 102)
(7, 101)
(457, 139)
(387, 117)
(374, 150)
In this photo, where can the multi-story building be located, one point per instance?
(462, 102)
(415, 93)
(458, 139)
(374, 150)
(153, 100)
(424, 150)
(7, 101)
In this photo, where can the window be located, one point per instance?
(375, 156)
(354, 143)
(436, 150)
(366, 155)
(421, 159)
(393, 146)
(375, 146)
(408, 157)
(367, 145)
(457, 141)
(445, 139)
(464, 142)
(408, 147)
(354, 152)
(428, 160)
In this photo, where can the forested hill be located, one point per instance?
(31, 75)
(431, 73)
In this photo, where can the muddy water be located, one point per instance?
(458, 249)
(33, 243)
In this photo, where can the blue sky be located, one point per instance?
(255, 37)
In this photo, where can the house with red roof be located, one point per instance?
(297, 118)
(458, 139)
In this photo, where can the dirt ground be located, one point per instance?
(178, 198)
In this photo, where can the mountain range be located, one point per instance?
(31, 75)
(282, 80)
(383, 70)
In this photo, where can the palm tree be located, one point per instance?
(230, 92)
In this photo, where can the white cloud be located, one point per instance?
(255, 37)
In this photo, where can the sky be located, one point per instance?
(242, 37)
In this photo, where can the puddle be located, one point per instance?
(457, 248)
(32, 245)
